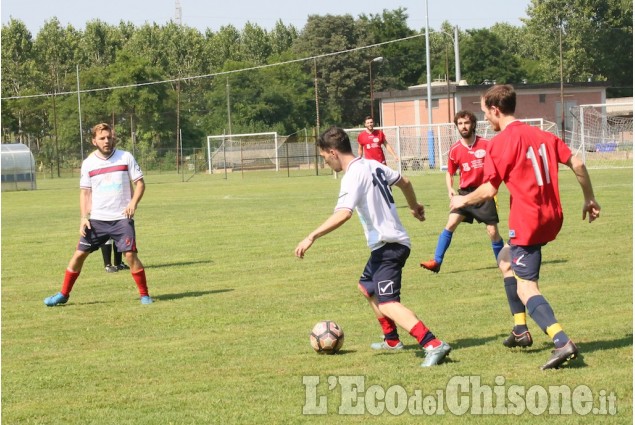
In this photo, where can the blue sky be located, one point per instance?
(203, 14)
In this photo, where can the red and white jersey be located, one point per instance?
(526, 159)
(469, 161)
(366, 188)
(372, 144)
(109, 181)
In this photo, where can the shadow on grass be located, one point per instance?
(494, 267)
(179, 263)
(167, 297)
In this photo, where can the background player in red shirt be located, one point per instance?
(370, 143)
(467, 156)
(526, 159)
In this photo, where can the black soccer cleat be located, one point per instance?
(522, 340)
(560, 356)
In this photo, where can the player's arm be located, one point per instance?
(360, 149)
(85, 206)
(391, 150)
(139, 189)
(449, 182)
(408, 191)
(483, 193)
(582, 175)
(338, 218)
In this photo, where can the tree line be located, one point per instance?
(158, 84)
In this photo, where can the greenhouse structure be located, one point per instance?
(18, 167)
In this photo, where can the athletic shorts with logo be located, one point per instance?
(382, 275)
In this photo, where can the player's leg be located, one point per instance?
(368, 288)
(495, 238)
(520, 336)
(443, 243)
(106, 253)
(119, 264)
(123, 235)
(387, 277)
(91, 242)
(526, 264)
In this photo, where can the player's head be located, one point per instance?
(102, 139)
(369, 123)
(333, 142)
(496, 102)
(465, 122)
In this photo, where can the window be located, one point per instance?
(542, 98)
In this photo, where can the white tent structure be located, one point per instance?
(18, 167)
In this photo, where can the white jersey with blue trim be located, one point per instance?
(109, 181)
(366, 188)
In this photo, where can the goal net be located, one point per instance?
(239, 152)
(602, 135)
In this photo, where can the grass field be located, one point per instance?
(226, 340)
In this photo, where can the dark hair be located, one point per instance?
(463, 114)
(501, 96)
(335, 138)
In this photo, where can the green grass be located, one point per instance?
(227, 339)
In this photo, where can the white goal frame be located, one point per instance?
(229, 139)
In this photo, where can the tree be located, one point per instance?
(597, 40)
(485, 59)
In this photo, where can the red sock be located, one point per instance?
(69, 280)
(424, 337)
(390, 331)
(140, 279)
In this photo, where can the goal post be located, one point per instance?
(230, 152)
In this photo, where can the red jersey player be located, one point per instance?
(467, 156)
(370, 143)
(526, 159)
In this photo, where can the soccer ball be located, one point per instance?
(326, 337)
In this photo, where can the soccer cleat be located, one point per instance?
(123, 266)
(384, 346)
(435, 355)
(522, 340)
(559, 356)
(111, 269)
(146, 299)
(431, 265)
(56, 299)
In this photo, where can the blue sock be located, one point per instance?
(445, 238)
(496, 247)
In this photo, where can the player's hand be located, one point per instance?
(451, 193)
(129, 211)
(457, 202)
(83, 225)
(303, 247)
(419, 212)
(592, 208)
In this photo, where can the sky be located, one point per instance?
(205, 14)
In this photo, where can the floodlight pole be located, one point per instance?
(79, 112)
(378, 59)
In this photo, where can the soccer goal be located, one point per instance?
(602, 134)
(240, 152)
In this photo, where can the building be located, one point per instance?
(409, 107)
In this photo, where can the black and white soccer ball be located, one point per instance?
(326, 337)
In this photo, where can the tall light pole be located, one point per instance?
(457, 66)
(372, 96)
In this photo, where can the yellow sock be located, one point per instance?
(553, 330)
(520, 319)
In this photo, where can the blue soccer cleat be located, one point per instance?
(146, 299)
(56, 299)
(435, 355)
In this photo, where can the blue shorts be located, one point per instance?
(526, 261)
(382, 275)
(120, 231)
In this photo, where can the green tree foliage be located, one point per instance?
(484, 59)
(597, 40)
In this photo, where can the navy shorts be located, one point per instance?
(486, 212)
(382, 275)
(526, 261)
(120, 231)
